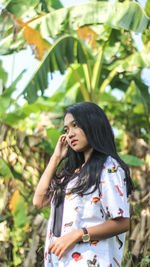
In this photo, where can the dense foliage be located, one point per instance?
(101, 64)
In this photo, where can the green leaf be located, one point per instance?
(3, 74)
(5, 98)
(5, 24)
(56, 58)
(46, 146)
(4, 218)
(45, 212)
(127, 15)
(16, 174)
(53, 134)
(4, 169)
(147, 8)
(22, 8)
(20, 217)
(13, 118)
(56, 4)
(132, 160)
(9, 45)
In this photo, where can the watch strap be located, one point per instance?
(86, 236)
(85, 231)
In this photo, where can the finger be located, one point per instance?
(61, 254)
(51, 248)
(63, 138)
(66, 143)
(57, 252)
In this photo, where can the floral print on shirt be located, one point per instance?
(90, 210)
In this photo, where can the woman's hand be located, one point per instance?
(61, 148)
(41, 197)
(62, 244)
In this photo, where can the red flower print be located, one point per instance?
(77, 256)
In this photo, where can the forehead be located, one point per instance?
(68, 119)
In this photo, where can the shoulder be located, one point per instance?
(111, 163)
(112, 167)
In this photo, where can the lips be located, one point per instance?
(73, 142)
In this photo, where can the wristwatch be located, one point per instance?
(86, 236)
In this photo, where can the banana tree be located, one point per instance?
(67, 45)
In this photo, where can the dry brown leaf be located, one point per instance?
(15, 198)
(88, 35)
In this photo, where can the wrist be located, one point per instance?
(55, 159)
(78, 234)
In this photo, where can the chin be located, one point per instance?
(77, 149)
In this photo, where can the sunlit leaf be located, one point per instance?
(132, 160)
(39, 45)
(88, 35)
(22, 8)
(63, 52)
(4, 169)
(3, 74)
(20, 217)
(127, 15)
(45, 212)
(34, 38)
(147, 7)
(18, 209)
(15, 198)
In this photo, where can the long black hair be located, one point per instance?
(94, 122)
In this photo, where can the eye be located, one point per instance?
(75, 124)
(65, 130)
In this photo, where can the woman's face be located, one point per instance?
(75, 136)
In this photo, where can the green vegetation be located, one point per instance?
(99, 57)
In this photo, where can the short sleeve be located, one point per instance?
(113, 190)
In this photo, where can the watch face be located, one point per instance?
(86, 238)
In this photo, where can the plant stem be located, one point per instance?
(13, 64)
(83, 89)
(107, 81)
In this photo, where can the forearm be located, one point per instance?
(40, 196)
(107, 229)
(102, 231)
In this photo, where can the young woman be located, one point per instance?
(89, 197)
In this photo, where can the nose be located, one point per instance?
(71, 133)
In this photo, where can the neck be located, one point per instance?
(87, 154)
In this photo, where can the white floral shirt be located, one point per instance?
(90, 210)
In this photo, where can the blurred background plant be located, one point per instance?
(102, 64)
